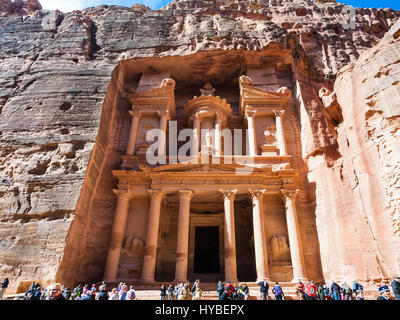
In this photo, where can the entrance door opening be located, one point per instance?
(206, 250)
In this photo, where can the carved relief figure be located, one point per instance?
(269, 135)
(133, 244)
(207, 90)
(280, 248)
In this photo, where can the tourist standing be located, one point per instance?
(396, 287)
(278, 292)
(227, 295)
(184, 292)
(321, 292)
(264, 287)
(163, 292)
(176, 290)
(335, 291)
(197, 293)
(246, 291)
(384, 292)
(300, 290)
(55, 293)
(85, 289)
(220, 289)
(103, 294)
(114, 294)
(359, 295)
(240, 292)
(311, 291)
(77, 292)
(357, 286)
(124, 290)
(66, 293)
(348, 293)
(3, 288)
(170, 292)
(195, 285)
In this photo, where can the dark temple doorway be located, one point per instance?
(206, 250)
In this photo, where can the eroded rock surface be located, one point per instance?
(56, 70)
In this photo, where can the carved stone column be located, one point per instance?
(229, 236)
(280, 134)
(133, 133)
(117, 235)
(217, 142)
(196, 135)
(149, 259)
(183, 236)
(251, 122)
(259, 239)
(294, 235)
(164, 117)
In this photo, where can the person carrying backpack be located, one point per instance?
(278, 292)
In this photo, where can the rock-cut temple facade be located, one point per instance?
(216, 140)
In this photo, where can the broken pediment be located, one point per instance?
(254, 96)
(163, 96)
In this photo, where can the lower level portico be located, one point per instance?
(179, 222)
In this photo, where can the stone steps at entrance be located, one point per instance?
(146, 291)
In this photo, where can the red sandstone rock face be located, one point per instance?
(55, 71)
(19, 6)
(358, 198)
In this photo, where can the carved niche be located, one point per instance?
(134, 245)
(280, 251)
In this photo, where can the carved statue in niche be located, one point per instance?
(269, 135)
(280, 250)
(207, 90)
(134, 245)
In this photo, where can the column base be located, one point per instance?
(180, 281)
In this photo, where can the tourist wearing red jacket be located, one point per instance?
(311, 291)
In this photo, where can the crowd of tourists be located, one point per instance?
(310, 291)
(226, 291)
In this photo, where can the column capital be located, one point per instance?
(292, 194)
(135, 113)
(186, 194)
(230, 194)
(256, 193)
(279, 113)
(250, 113)
(163, 113)
(155, 194)
(122, 194)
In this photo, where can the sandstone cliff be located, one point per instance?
(59, 76)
